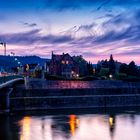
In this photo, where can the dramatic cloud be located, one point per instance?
(33, 37)
(93, 28)
(123, 37)
(125, 26)
(61, 5)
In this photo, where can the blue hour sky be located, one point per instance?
(92, 28)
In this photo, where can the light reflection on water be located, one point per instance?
(73, 127)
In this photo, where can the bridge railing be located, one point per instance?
(4, 79)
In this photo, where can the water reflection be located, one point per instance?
(74, 123)
(64, 126)
(25, 124)
(71, 127)
(112, 120)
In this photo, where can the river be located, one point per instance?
(84, 126)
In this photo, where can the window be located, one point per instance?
(63, 62)
(67, 62)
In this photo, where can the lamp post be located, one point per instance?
(3, 44)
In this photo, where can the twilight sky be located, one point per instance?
(92, 28)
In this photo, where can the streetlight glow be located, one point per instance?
(3, 44)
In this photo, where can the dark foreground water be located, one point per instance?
(124, 126)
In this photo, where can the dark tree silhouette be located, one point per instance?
(133, 69)
(105, 64)
(111, 65)
(123, 68)
(90, 68)
(82, 64)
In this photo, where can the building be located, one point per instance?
(63, 65)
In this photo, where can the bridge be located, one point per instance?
(6, 86)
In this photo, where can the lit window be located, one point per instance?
(67, 62)
(63, 62)
(72, 72)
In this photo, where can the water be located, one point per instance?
(124, 126)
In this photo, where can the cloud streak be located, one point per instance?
(33, 37)
(29, 24)
(103, 4)
(99, 33)
(62, 5)
(111, 40)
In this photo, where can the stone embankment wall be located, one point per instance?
(75, 94)
(45, 84)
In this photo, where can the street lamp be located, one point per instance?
(3, 44)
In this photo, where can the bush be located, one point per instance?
(89, 78)
(103, 78)
(132, 79)
(104, 72)
(120, 76)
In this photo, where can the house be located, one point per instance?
(34, 70)
(63, 65)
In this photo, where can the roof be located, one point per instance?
(58, 58)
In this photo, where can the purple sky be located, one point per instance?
(92, 28)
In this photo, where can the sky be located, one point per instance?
(91, 28)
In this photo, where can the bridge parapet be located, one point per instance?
(10, 83)
(5, 91)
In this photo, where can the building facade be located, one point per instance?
(63, 65)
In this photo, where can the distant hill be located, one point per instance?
(9, 61)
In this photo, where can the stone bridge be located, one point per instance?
(5, 90)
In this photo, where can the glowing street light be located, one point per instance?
(110, 76)
(15, 59)
(77, 75)
(3, 44)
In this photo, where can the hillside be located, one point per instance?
(10, 60)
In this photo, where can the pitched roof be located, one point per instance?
(57, 57)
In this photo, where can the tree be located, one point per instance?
(112, 66)
(90, 68)
(105, 64)
(123, 68)
(82, 64)
(133, 69)
(98, 68)
(104, 72)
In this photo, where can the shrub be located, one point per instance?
(89, 78)
(120, 76)
(132, 79)
(104, 72)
